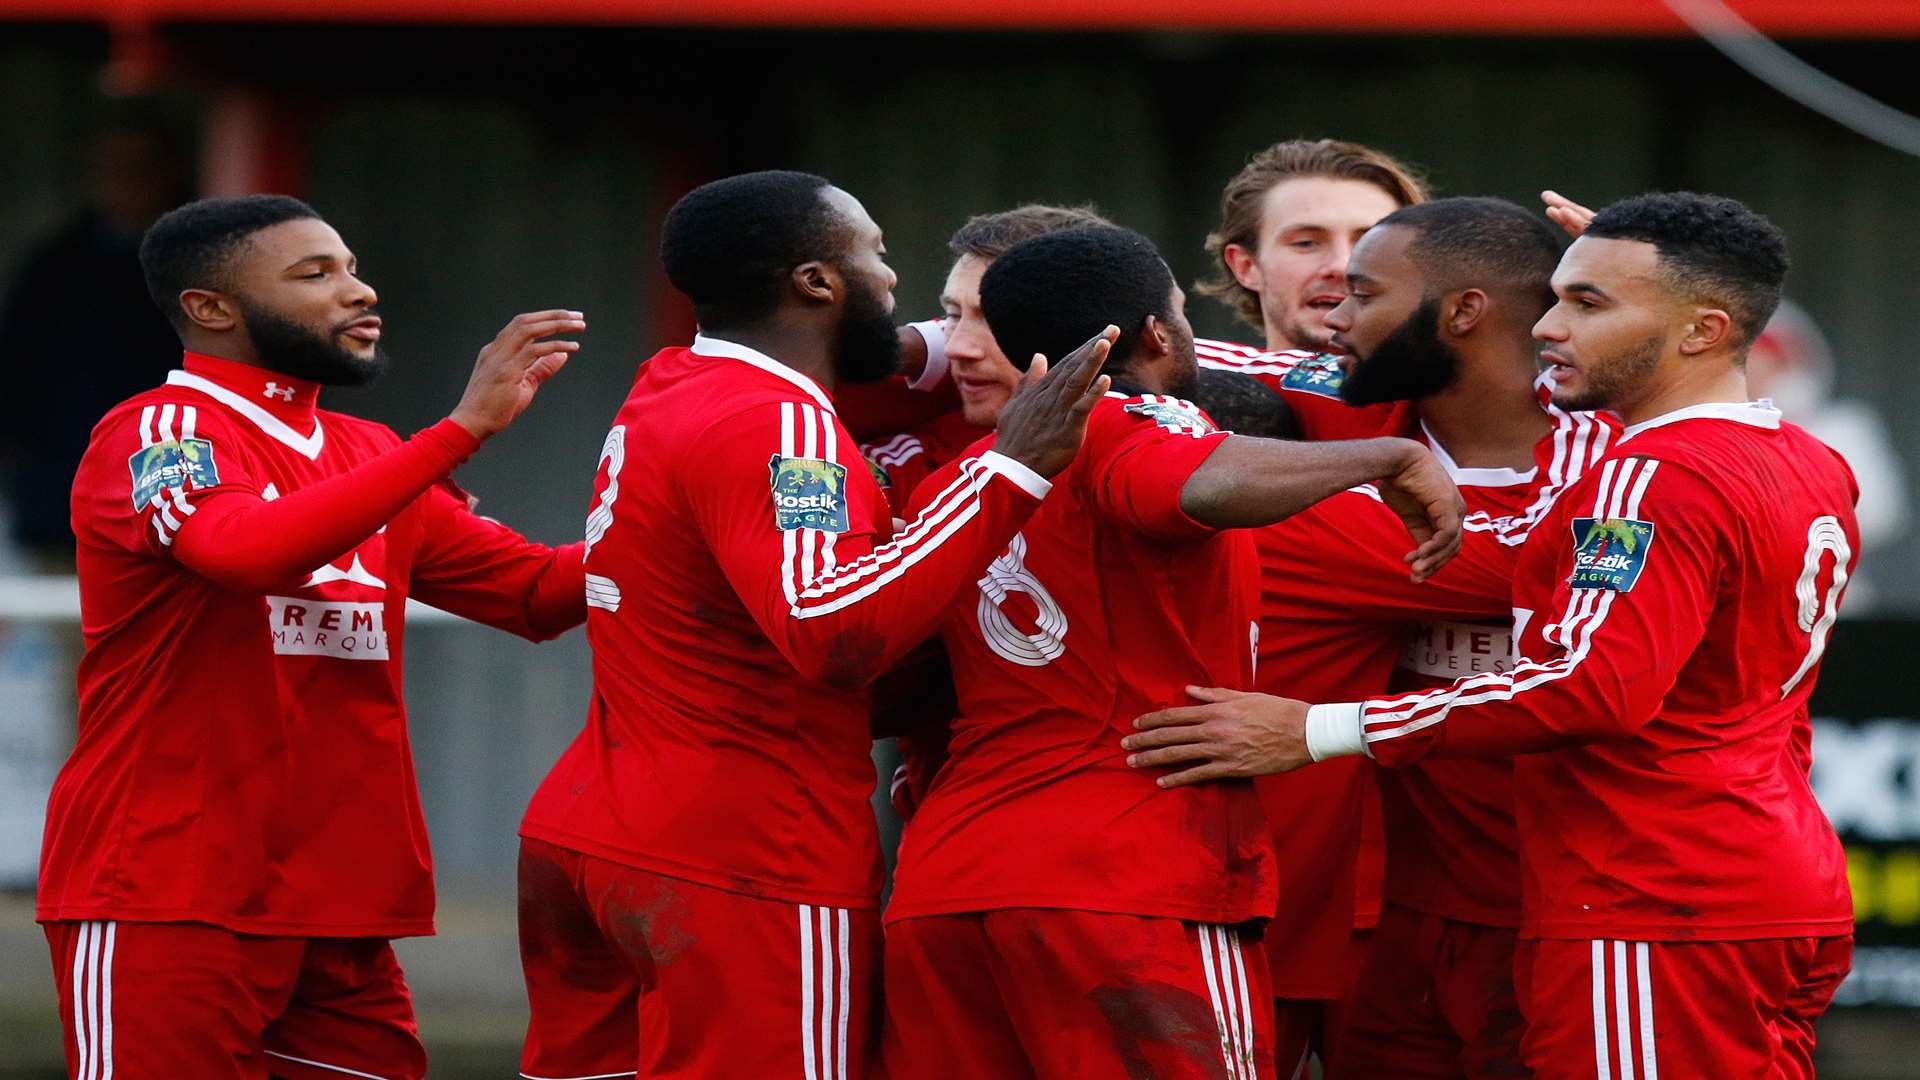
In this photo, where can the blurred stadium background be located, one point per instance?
(488, 156)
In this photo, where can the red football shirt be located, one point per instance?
(1108, 604)
(1670, 612)
(902, 462)
(1336, 604)
(744, 587)
(1451, 848)
(242, 757)
(1310, 383)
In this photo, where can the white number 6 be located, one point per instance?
(1009, 574)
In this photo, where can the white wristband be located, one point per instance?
(1028, 481)
(934, 333)
(1335, 731)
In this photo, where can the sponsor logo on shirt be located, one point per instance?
(1609, 553)
(808, 494)
(182, 463)
(346, 629)
(1174, 415)
(1448, 650)
(1320, 375)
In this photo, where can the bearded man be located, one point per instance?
(237, 834)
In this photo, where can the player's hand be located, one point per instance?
(1232, 734)
(1566, 213)
(1043, 423)
(1424, 496)
(511, 368)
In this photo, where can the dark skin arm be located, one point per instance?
(1250, 482)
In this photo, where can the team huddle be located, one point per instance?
(1421, 691)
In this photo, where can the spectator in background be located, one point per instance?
(1792, 363)
(78, 332)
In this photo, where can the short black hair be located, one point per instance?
(1712, 248)
(1472, 242)
(729, 244)
(192, 246)
(1240, 403)
(1050, 294)
(988, 236)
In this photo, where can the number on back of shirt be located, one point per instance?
(1008, 576)
(1814, 610)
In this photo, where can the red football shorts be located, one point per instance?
(635, 973)
(170, 1000)
(1311, 1027)
(1435, 999)
(1625, 1010)
(1073, 994)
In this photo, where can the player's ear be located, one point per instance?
(1155, 337)
(209, 309)
(1242, 265)
(1463, 311)
(1706, 329)
(817, 281)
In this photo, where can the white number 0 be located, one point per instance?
(601, 591)
(1816, 612)
(1009, 574)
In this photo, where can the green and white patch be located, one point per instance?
(177, 463)
(808, 493)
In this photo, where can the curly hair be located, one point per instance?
(1049, 294)
(1711, 248)
(1245, 197)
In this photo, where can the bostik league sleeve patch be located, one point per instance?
(181, 463)
(808, 494)
(1174, 415)
(1320, 375)
(1609, 553)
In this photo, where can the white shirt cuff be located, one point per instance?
(1030, 482)
(934, 333)
(1335, 731)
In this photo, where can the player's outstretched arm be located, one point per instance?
(243, 542)
(1249, 482)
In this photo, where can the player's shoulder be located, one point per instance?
(1124, 414)
(161, 413)
(1290, 371)
(692, 392)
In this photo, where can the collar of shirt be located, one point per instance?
(707, 345)
(292, 401)
(285, 409)
(1760, 414)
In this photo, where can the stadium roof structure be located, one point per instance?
(1780, 18)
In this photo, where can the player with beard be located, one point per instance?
(1288, 222)
(1684, 901)
(1028, 934)
(700, 872)
(1441, 302)
(237, 833)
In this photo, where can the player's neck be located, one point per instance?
(1490, 418)
(1694, 382)
(799, 348)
